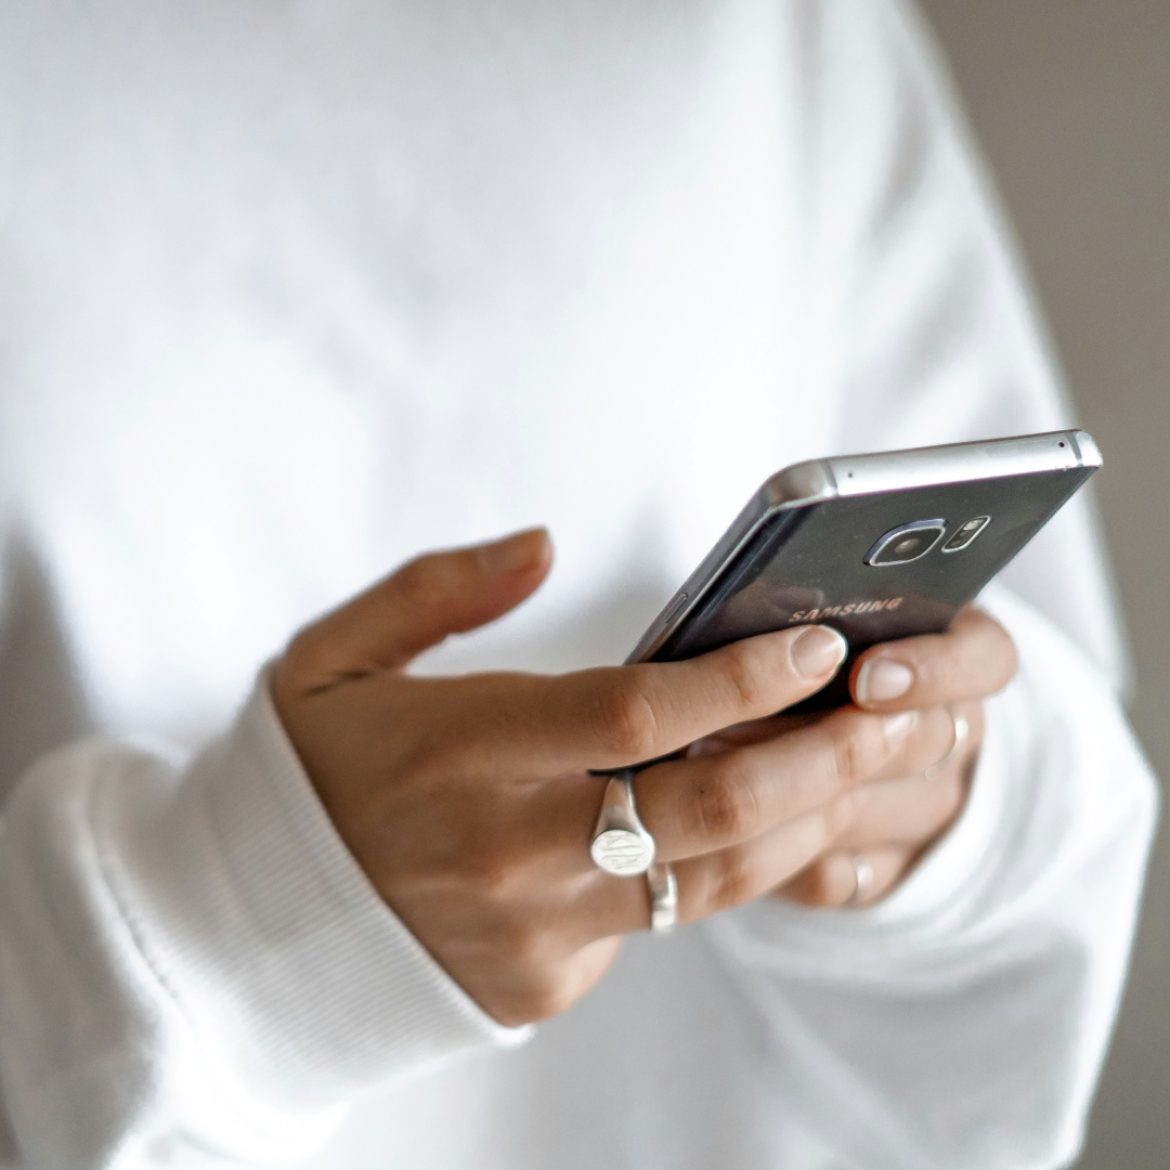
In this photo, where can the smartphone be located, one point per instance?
(879, 546)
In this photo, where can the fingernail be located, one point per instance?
(515, 553)
(900, 725)
(881, 680)
(818, 650)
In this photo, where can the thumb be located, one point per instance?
(416, 607)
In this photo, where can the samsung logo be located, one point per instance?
(855, 607)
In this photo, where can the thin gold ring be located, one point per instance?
(663, 887)
(863, 876)
(960, 733)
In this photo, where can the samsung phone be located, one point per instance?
(879, 546)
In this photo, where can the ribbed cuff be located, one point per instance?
(252, 912)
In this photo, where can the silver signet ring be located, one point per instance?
(621, 845)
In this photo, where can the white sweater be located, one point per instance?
(293, 291)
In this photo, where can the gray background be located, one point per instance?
(1070, 100)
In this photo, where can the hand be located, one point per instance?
(468, 803)
(895, 822)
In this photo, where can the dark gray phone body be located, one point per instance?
(809, 545)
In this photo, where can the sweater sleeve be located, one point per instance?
(190, 960)
(963, 1021)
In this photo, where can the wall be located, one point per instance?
(1071, 103)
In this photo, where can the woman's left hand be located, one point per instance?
(895, 822)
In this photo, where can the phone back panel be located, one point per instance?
(807, 563)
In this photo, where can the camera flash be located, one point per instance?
(966, 533)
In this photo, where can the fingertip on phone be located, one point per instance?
(818, 650)
(881, 680)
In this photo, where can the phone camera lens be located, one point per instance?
(906, 543)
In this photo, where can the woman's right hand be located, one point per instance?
(468, 801)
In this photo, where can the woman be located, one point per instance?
(295, 294)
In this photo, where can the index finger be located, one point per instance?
(973, 659)
(614, 717)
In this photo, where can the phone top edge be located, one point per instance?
(1087, 448)
(857, 475)
(802, 483)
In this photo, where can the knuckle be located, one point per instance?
(839, 815)
(726, 806)
(856, 744)
(416, 581)
(625, 723)
(733, 882)
(744, 669)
